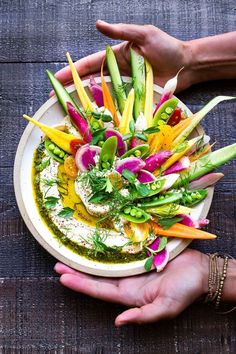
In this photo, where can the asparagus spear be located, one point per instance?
(117, 83)
(138, 76)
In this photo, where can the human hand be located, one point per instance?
(166, 54)
(152, 296)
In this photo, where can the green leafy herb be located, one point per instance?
(109, 186)
(98, 197)
(148, 264)
(167, 223)
(66, 213)
(141, 136)
(97, 136)
(151, 130)
(127, 136)
(98, 243)
(50, 202)
(43, 165)
(130, 176)
(50, 182)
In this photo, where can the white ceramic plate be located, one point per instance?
(51, 113)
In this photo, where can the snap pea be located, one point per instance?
(54, 151)
(102, 116)
(153, 188)
(134, 214)
(162, 199)
(138, 151)
(108, 152)
(190, 198)
(165, 111)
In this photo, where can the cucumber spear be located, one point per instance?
(117, 83)
(138, 77)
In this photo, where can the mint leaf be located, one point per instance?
(127, 136)
(141, 136)
(148, 264)
(97, 136)
(167, 223)
(109, 186)
(66, 213)
(151, 130)
(50, 202)
(132, 126)
(97, 197)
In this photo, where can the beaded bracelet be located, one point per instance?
(216, 279)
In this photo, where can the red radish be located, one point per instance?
(121, 144)
(96, 91)
(168, 90)
(145, 176)
(188, 221)
(133, 164)
(178, 166)
(84, 157)
(155, 161)
(205, 181)
(80, 123)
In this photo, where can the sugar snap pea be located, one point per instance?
(54, 151)
(162, 199)
(134, 214)
(138, 151)
(108, 152)
(191, 198)
(165, 111)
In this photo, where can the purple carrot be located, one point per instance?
(178, 166)
(80, 123)
(96, 91)
(155, 161)
(205, 181)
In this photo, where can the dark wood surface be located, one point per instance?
(38, 315)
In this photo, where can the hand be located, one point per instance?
(152, 296)
(165, 53)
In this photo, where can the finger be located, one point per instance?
(127, 32)
(146, 314)
(85, 66)
(61, 268)
(96, 287)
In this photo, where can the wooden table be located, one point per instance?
(38, 315)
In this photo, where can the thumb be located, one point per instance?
(127, 32)
(146, 314)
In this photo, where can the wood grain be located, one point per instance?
(38, 315)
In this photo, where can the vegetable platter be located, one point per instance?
(114, 176)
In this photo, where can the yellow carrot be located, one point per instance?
(181, 126)
(182, 231)
(63, 140)
(85, 100)
(176, 156)
(127, 113)
(161, 140)
(108, 101)
(148, 107)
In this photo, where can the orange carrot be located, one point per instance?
(182, 231)
(107, 98)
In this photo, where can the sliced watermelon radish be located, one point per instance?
(155, 161)
(133, 164)
(178, 166)
(145, 176)
(84, 157)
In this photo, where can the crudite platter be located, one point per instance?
(113, 175)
